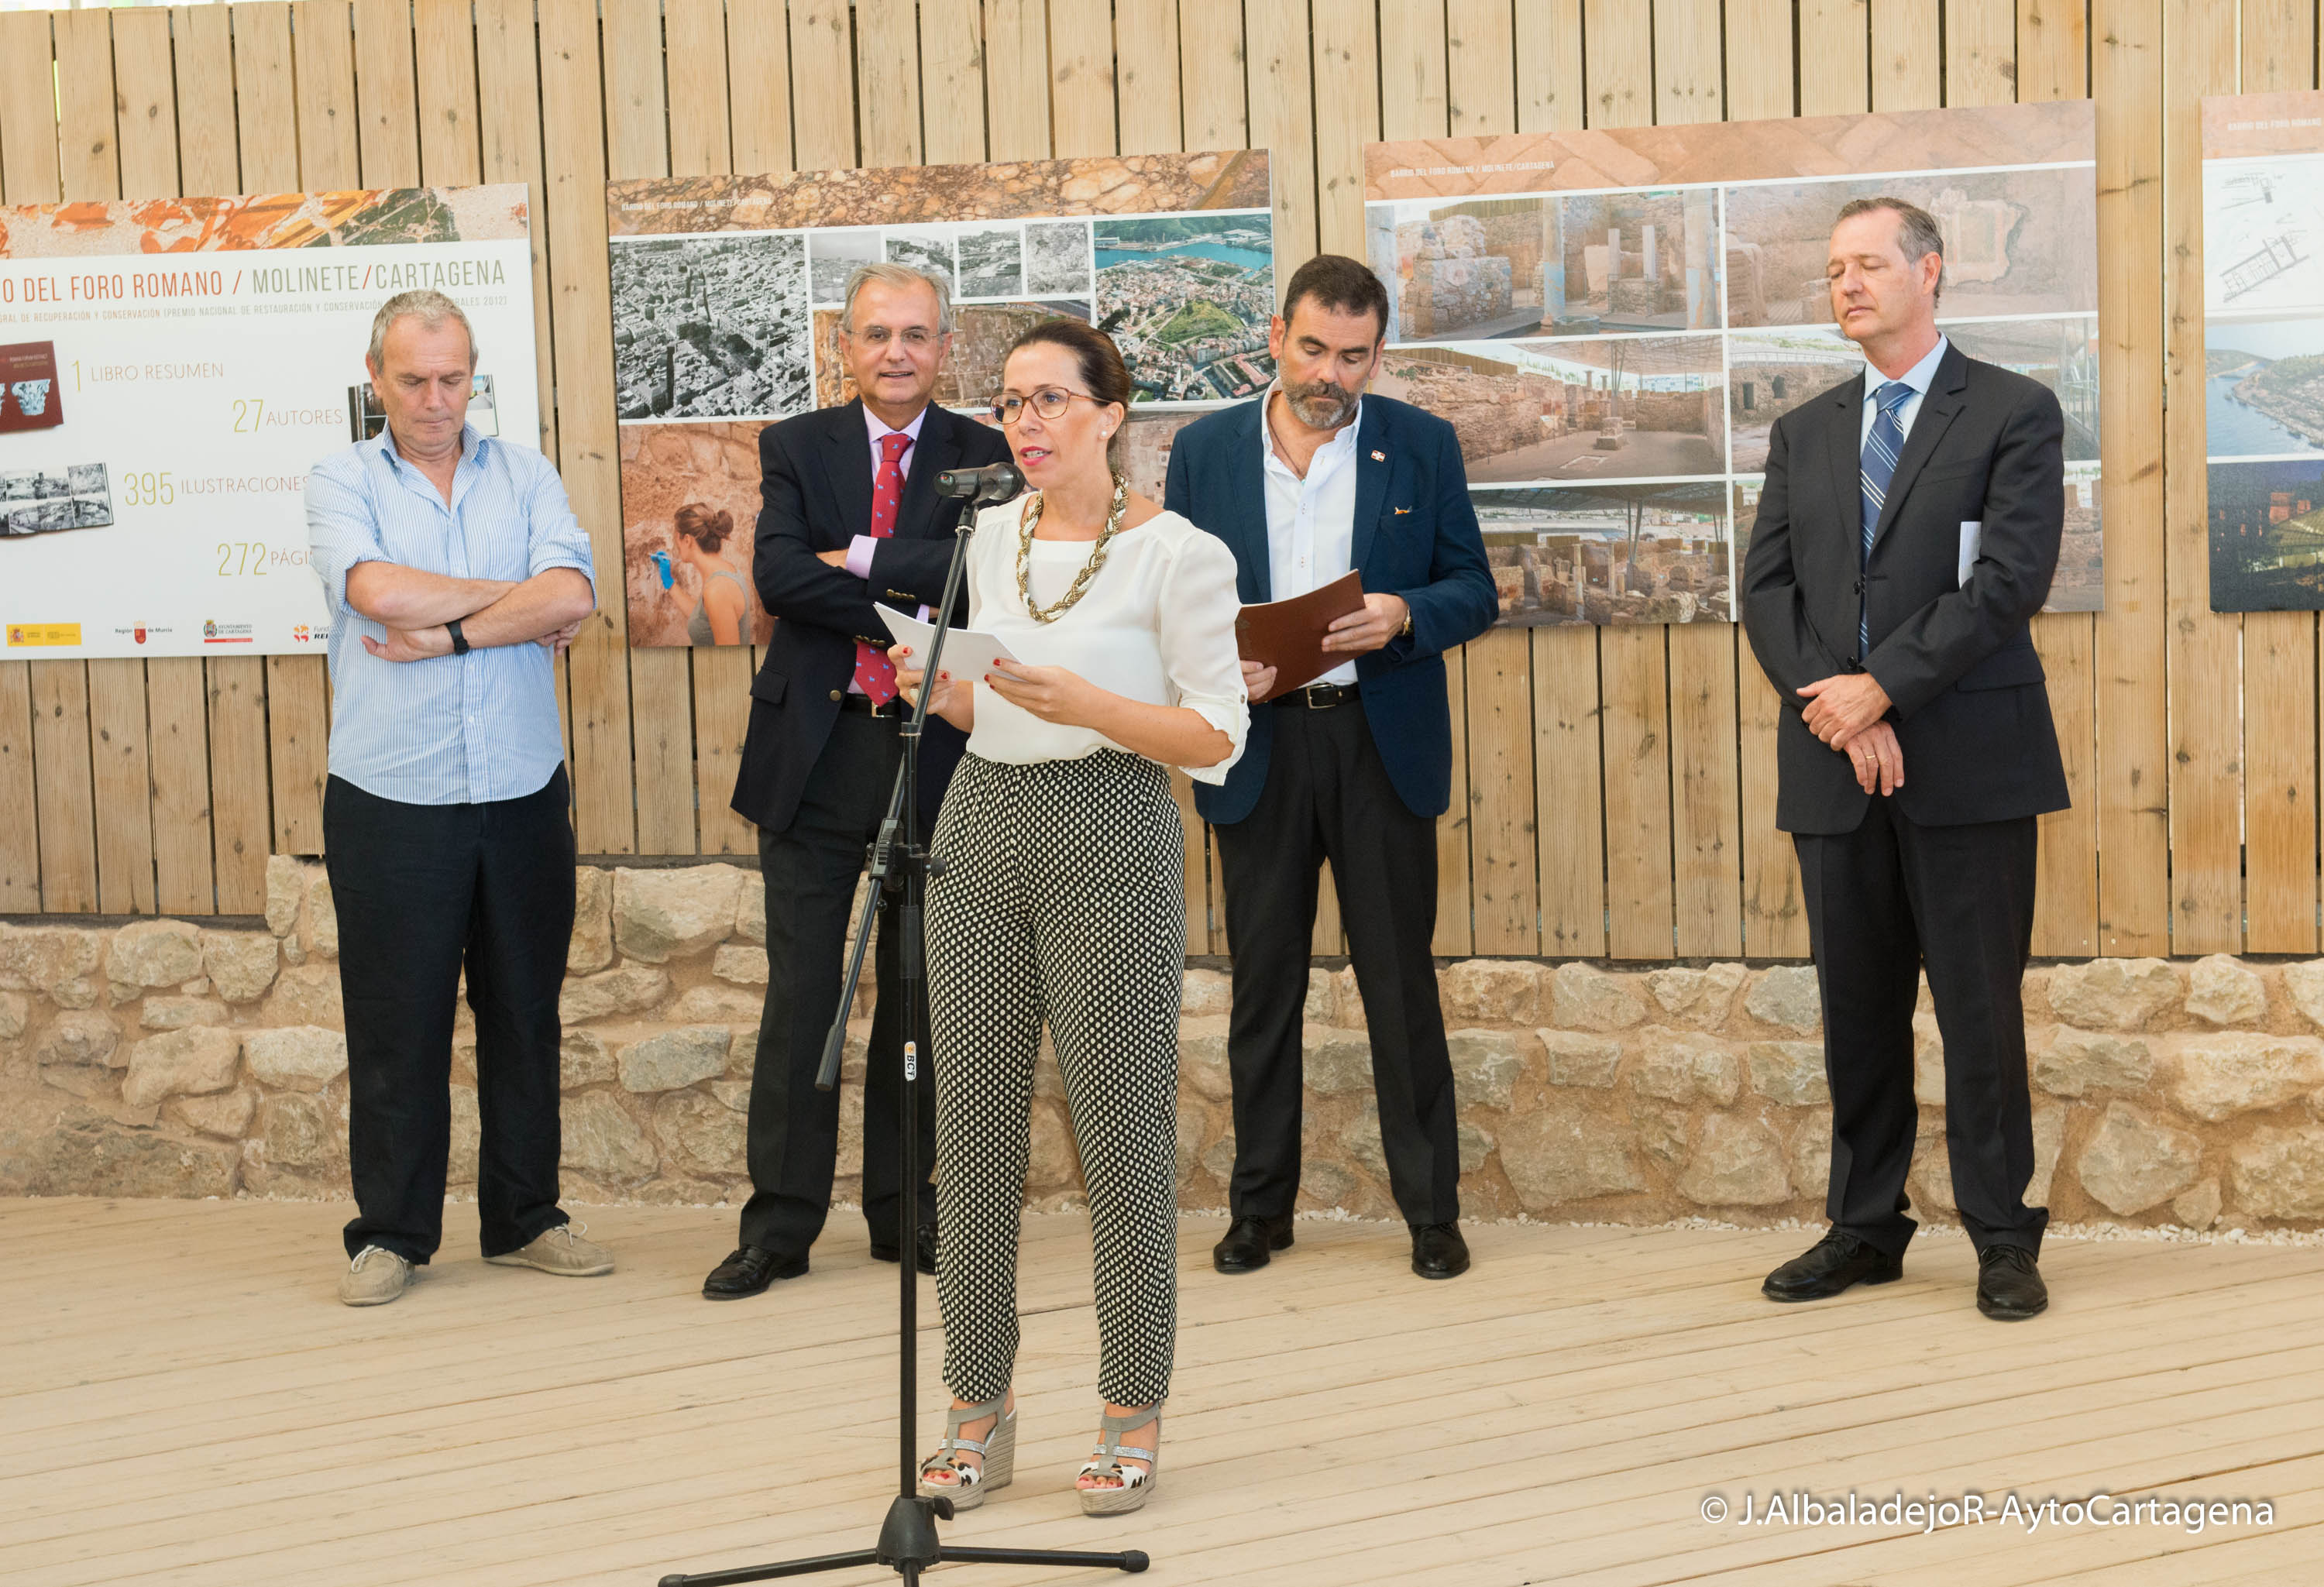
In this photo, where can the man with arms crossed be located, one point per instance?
(455, 571)
(851, 519)
(1906, 535)
(1304, 483)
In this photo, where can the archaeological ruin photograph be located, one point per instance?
(2267, 536)
(1057, 258)
(1609, 555)
(835, 254)
(1465, 270)
(2016, 242)
(2262, 387)
(710, 327)
(1632, 262)
(992, 260)
(2061, 353)
(924, 247)
(1584, 409)
(1769, 374)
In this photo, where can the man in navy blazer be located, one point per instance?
(1305, 483)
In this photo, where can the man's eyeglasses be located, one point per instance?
(914, 336)
(1049, 404)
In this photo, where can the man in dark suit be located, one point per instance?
(1906, 535)
(1308, 481)
(851, 518)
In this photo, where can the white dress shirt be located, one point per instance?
(1311, 523)
(1919, 377)
(1155, 625)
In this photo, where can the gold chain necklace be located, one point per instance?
(1025, 528)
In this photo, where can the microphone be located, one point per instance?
(997, 482)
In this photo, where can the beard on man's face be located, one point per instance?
(1323, 405)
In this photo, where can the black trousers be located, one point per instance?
(1884, 901)
(811, 869)
(423, 891)
(1328, 796)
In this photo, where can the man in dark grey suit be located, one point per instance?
(1906, 535)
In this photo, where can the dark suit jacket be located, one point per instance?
(816, 496)
(1971, 711)
(1415, 536)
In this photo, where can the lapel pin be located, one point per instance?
(1400, 511)
(1379, 456)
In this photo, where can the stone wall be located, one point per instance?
(164, 1058)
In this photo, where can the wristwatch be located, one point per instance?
(1406, 631)
(460, 640)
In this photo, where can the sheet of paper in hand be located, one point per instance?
(966, 652)
(1288, 635)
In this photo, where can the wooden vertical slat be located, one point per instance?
(2279, 650)
(888, 82)
(1761, 85)
(1017, 79)
(1480, 68)
(2066, 899)
(695, 33)
(318, 152)
(172, 808)
(1411, 94)
(444, 51)
(1633, 662)
(822, 50)
(1081, 79)
(580, 320)
(1834, 55)
(1145, 68)
(1569, 792)
(2052, 48)
(1980, 52)
(1706, 791)
(2133, 753)
(67, 802)
(759, 71)
(951, 79)
(1281, 107)
(1907, 49)
(121, 779)
(660, 678)
(231, 692)
(28, 175)
(2205, 743)
(1213, 56)
(508, 100)
(387, 129)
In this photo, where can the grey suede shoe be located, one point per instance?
(560, 1250)
(374, 1277)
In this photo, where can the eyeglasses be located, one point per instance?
(1048, 403)
(914, 336)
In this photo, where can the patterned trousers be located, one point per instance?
(1061, 899)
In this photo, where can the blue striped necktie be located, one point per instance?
(1882, 448)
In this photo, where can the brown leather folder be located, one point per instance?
(1288, 635)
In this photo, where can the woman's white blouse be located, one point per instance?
(1155, 625)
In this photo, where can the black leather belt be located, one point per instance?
(1321, 696)
(861, 705)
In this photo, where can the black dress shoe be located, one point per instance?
(924, 1249)
(749, 1271)
(1830, 1266)
(1249, 1242)
(2009, 1287)
(1438, 1252)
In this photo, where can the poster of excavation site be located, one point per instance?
(1613, 320)
(170, 369)
(2263, 349)
(726, 301)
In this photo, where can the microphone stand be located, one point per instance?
(902, 865)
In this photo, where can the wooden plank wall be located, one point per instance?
(1614, 789)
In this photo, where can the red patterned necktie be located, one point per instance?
(875, 675)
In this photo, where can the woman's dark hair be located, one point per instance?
(1100, 365)
(1340, 284)
(708, 526)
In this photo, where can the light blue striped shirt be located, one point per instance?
(451, 730)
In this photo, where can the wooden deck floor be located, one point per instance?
(182, 1400)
